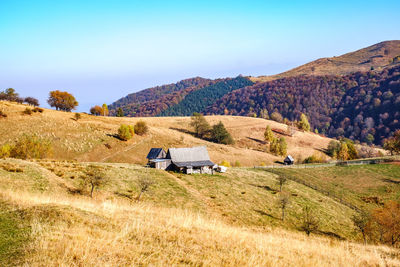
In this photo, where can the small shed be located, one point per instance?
(288, 160)
(157, 159)
(156, 153)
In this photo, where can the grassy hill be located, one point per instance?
(92, 138)
(377, 56)
(226, 219)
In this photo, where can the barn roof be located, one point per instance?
(190, 156)
(154, 152)
(289, 158)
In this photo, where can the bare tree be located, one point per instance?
(361, 221)
(281, 180)
(310, 222)
(283, 202)
(94, 177)
(144, 184)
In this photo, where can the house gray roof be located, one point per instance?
(154, 152)
(190, 156)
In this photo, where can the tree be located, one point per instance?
(283, 201)
(141, 128)
(94, 177)
(281, 181)
(32, 101)
(276, 116)
(125, 132)
(120, 112)
(343, 153)
(200, 125)
(144, 184)
(361, 221)
(309, 223)
(268, 134)
(96, 110)
(303, 124)
(282, 146)
(104, 110)
(220, 135)
(393, 143)
(387, 222)
(62, 100)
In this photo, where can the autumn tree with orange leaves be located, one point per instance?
(384, 226)
(62, 100)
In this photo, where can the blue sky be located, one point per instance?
(103, 50)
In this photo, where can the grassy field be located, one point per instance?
(227, 219)
(92, 138)
(365, 186)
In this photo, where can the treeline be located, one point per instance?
(152, 101)
(199, 100)
(363, 106)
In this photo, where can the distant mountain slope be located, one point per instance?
(199, 100)
(378, 56)
(363, 106)
(152, 101)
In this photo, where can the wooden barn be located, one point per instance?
(190, 160)
(187, 160)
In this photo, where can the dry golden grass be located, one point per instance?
(82, 232)
(87, 139)
(360, 60)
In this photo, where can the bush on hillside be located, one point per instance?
(141, 128)
(27, 111)
(2, 114)
(225, 163)
(126, 132)
(5, 151)
(77, 116)
(40, 110)
(314, 159)
(220, 135)
(31, 147)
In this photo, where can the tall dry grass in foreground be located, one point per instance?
(76, 231)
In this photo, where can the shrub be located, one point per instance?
(225, 163)
(126, 132)
(27, 111)
(5, 151)
(200, 125)
(237, 164)
(40, 110)
(77, 116)
(141, 128)
(2, 114)
(220, 135)
(303, 124)
(314, 159)
(31, 147)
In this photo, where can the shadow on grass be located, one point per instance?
(266, 187)
(257, 140)
(263, 213)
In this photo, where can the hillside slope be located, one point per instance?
(92, 138)
(377, 56)
(362, 106)
(227, 219)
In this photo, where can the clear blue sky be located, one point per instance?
(103, 50)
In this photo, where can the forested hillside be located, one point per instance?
(199, 100)
(363, 106)
(152, 101)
